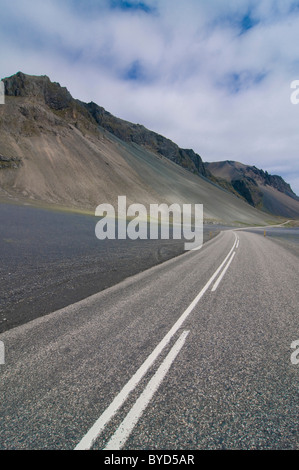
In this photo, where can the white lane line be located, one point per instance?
(223, 272)
(90, 437)
(124, 430)
(238, 243)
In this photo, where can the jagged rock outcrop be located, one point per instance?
(55, 96)
(259, 188)
(275, 181)
(10, 162)
(129, 132)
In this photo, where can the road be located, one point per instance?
(167, 359)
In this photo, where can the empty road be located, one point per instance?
(194, 353)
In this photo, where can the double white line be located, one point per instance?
(125, 428)
(227, 265)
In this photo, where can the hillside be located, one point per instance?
(57, 150)
(60, 101)
(267, 192)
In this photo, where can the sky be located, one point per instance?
(211, 75)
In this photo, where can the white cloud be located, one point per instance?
(201, 78)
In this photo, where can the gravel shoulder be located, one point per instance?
(51, 259)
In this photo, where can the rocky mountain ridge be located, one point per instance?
(59, 99)
(44, 130)
(259, 188)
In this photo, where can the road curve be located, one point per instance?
(191, 354)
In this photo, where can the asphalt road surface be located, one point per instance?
(194, 353)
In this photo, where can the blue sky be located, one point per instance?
(211, 75)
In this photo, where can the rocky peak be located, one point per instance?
(38, 87)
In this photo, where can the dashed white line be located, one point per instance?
(226, 268)
(223, 272)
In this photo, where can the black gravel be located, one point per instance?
(51, 259)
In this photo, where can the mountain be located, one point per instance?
(266, 192)
(150, 140)
(59, 99)
(57, 150)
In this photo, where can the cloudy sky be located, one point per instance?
(211, 75)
